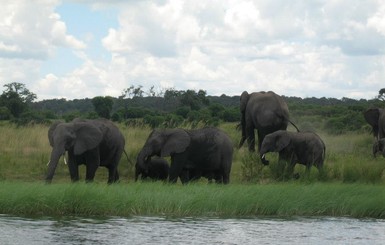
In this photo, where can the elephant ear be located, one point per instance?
(282, 142)
(176, 141)
(88, 136)
(243, 101)
(371, 116)
(51, 130)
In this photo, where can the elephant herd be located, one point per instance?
(205, 152)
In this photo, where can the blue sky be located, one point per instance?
(82, 49)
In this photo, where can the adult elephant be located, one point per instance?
(207, 150)
(266, 112)
(91, 142)
(376, 118)
(305, 148)
(154, 168)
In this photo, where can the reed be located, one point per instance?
(280, 199)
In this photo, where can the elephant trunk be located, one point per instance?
(243, 128)
(56, 153)
(141, 161)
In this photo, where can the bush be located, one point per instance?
(153, 121)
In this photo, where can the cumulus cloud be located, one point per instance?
(32, 31)
(296, 48)
(259, 45)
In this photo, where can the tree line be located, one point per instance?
(173, 108)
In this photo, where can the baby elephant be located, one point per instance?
(156, 169)
(306, 148)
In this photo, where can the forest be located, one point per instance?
(177, 108)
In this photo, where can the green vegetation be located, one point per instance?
(352, 183)
(284, 199)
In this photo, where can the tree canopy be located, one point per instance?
(16, 99)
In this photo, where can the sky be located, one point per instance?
(82, 48)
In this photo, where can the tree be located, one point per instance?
(17, 98)
(193, 99)
(381, 94)
(103, 106)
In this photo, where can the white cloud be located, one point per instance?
(296, 48)
(30, 29)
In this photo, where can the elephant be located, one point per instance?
(196, 151)
(91, 142)
(154, 168)
(266, 112)
(376, 118)
(305, 148)
(379, 146)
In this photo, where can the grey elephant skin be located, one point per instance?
(305, 148)
(266, 112)
(91, 142)
(154, 169)
(207, 150)
(376, 118)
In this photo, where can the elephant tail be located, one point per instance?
(294, 125)
(130, 163)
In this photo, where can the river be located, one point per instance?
(161, 230)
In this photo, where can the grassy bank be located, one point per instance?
(24, 154)
(280, 199)
(353, 183)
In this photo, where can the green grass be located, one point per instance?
(353, 183)
(280, 199)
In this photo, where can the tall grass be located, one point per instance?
(279, 199)
(24, 154)
(353, 182)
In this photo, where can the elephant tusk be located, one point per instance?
(65, 160)
(263, 156)
(48, 163)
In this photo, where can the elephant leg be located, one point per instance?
(226, 178)
(113, 175)
(74, 172)
(261, 136)
(251, 139)
(290, 171)
(176, 168)
(92, 164)
(73, 168)
(90, 172)
(184, 176)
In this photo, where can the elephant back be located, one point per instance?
(268, 109)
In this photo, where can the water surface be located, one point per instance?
(161, 230)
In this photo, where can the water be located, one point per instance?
(159, 230)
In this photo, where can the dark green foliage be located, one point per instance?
(5, 114)
(153, 121)
(177, 107)
(16, 98)
(103, 106)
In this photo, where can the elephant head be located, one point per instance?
(77, 137)
(243, 101)
(275, 142)
(163, 143)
